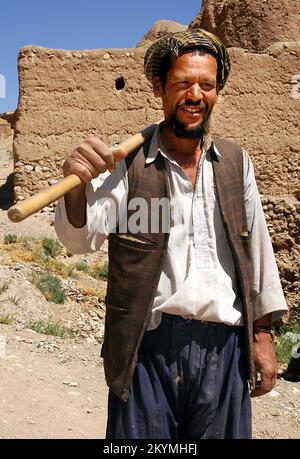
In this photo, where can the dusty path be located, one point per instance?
(57, 392)
(54, 388)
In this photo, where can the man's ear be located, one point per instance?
(157, 86)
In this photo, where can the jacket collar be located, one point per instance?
(157, 146)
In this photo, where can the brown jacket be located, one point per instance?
(136, 261)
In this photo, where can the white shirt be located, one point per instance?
(198, 279)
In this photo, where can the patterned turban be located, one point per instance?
(187, 40)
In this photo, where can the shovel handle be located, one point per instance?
(29, 206)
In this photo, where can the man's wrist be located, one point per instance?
(265, 321)
(264, 329)
(75, 205)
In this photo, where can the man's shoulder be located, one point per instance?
(138, 156)
(226, 146)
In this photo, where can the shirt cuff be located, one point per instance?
(74, 239)
(270, 301)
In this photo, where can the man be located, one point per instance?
(188, 310)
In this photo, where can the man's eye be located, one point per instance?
(206, 86)
(183, 83)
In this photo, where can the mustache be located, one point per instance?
(194, 103)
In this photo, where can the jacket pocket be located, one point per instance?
(134, 241)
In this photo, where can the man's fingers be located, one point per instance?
(97, 161)
(89, 159)
(103, 151)
(258, 391)
(263, 386)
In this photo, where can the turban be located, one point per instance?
(188, 40)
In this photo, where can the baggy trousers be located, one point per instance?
(190, 383)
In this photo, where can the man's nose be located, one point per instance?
(195, 91)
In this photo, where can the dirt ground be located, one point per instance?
(58, 391)
(50, 392)
(54, 388)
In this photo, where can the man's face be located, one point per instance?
(189, 94)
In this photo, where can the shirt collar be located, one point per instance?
(157, 146)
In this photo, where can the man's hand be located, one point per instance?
(265, 363)
(90, 158)
(87, 160)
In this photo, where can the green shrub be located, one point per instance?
(287, 337)
(51, 287)
(82, 266)
(70, 271)
(14, 299)
(6, 319)
(4, 287)
(10, 238)
(50, 328)
(51, 247)
(39, 256)
(29, 242)
(100, 271)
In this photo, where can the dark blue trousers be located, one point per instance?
(190, 383)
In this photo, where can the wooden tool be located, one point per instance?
(31, 205)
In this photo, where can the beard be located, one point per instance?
(182, 130)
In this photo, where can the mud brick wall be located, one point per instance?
(68, 95)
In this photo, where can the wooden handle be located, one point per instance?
(31, 205)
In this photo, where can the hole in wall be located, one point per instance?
(120, 83)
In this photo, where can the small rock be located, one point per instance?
(18, 267)
(53, 181)
(73, 384)
(274, 393)
(295, 390)
(70, 383)
(99, 336)
(29, 420)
